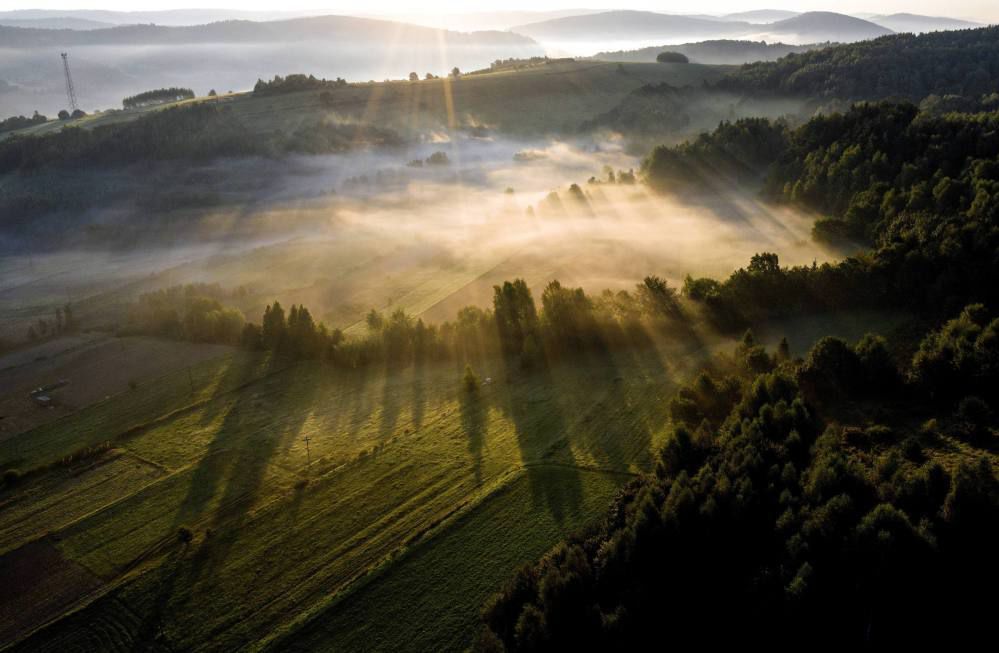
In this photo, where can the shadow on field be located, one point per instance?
(474, 408)
(257, 424)
(540, 425)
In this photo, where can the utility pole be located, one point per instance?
(70, 91)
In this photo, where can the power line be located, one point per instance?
(70, 91)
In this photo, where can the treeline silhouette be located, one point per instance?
(567, 322)
(294, 83)
(20, 122)
(192, 312)
(956, 62)
(171, 94)
(765, 522)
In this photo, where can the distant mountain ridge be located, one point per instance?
(917, 24)
(56, 22)
(809, 27)
(629, 24)
(347, 29)
(718, 52)
(827, 26)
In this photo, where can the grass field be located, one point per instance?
(399, 459)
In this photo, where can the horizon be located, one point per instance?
(974, 10)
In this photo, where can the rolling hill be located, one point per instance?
(818, 26)
(622, 25)
(761, 15)
(810, 27)
(344, 29)
(720, 52)
(895, 66)
(55, 22)
(112, 63)
(917, 24)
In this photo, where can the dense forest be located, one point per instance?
(923, 189)
(808, 496)
(769, 520)
(961, 62)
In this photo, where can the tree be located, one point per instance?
(455, 73)
(657, 298)
(274, 327)
(672, 57)
(429, 76)
(414, 77)
(78, 113)
(63, 114)
(212, 93)
(470, 380)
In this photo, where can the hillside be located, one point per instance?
(56, 22)
(824, 26)
(901, 65)
(109, 64)
(623, 25)
(810, 27)
(916, 24)
(345, 29)
(859, 480)
(722, 52)
(761, 15)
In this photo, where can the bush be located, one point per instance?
(11, 477)
(672, 57)
(185, 535)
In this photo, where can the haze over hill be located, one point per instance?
(109, 64)
(720, 52)
(915, 23)
(611, 30)
(55, 22)
(543, 353)
(761, 15)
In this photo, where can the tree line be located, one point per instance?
(157, 96)
(296, 82)
(20, 122)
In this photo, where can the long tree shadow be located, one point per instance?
(474, 408)
(531, 402)
(230, 478)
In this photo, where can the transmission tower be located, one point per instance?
(70, 92)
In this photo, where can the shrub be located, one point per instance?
(185, 535)
(11, 477)
(672, 57)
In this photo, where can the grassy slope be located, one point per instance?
(430, 599)
(394, 455)
(543, 98)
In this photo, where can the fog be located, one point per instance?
(105, 74)
(347, 233)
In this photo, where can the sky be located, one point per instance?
(982, 10)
